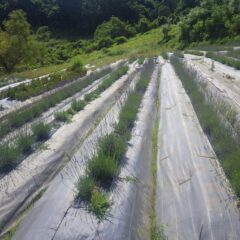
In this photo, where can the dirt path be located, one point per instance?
(193, 201)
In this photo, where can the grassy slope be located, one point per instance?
(147, 44)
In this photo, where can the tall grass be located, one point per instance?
(225, 147)
(224, 59)
(104, 167)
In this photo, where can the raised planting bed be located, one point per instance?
(224, 145)
(19, 118)
(104, 167)
(79, 105)
(224, 59)
(12, 153)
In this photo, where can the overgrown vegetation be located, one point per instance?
(103, 168)
(224, 145)
(224, 59)
(41, 131)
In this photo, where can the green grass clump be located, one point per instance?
(99, 204)
(102, 168)
(41, 131)
(225, 146)
(224, 59)
(24, 143)
(85, 187)
(113, 146)
(78, 105)
(64, 116)
(9, 157)
(194, 52)
(77, 65)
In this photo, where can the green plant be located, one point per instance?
(9, 157)
(113, 146)
(62, 116)
(41, 131)
(24, 143)
(99, 204)
(85, 187)
(77, 65)
(102, 168)
(78, 105)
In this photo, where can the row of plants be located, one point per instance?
(224, 59)
(194, 52)
(19, 118)
(76, 106)
(11, 154)
(225, 146)
(104, 167)
(41, 85)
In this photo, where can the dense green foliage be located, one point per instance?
(102, 24)
(225, 147)
(104, 167)
(17, 45)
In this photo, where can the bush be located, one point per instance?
(102, 168)
(9, 157)
(120, 40)
(99, 205)
(24, 143)
(105, 43)
(85, 187)
(41, 131)
(77, 65)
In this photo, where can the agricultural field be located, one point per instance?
(126, 151)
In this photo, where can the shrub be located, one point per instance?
(102, 168)
(77, 65)
(99, 204)
(24, 143)
(120, 40)
(105, 43)
(78, 105)
(41, 131)
(9, 157)
(85, 187)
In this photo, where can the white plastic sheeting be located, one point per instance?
(22, 182)
(194, 200)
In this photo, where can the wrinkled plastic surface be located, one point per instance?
(194, 200)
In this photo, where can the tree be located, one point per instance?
(17, 45)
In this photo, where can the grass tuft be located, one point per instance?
(99, 204)
(41, 131)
